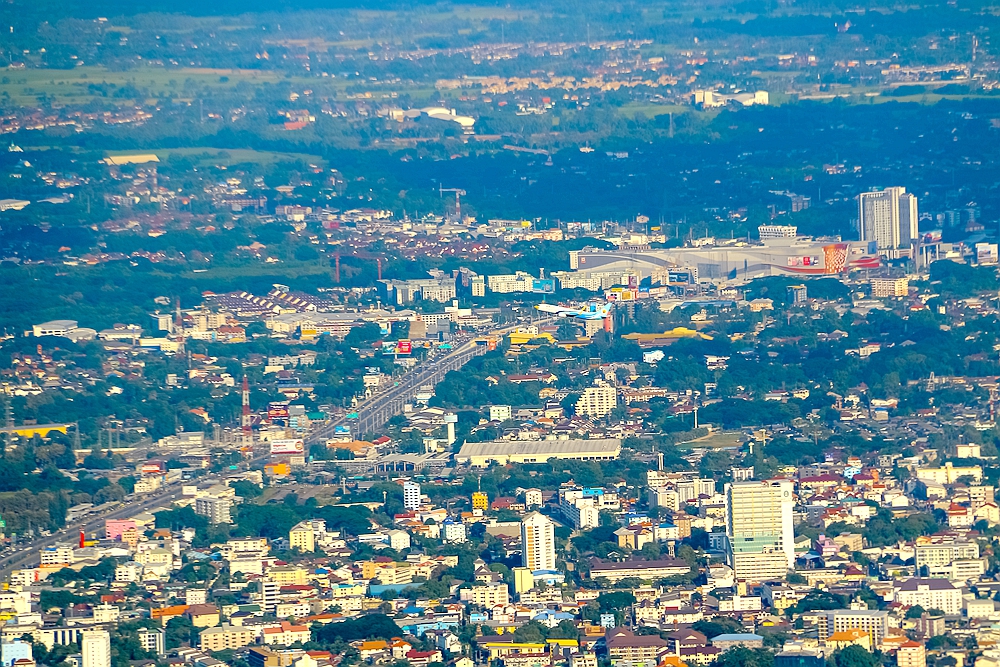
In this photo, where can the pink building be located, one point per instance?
(114, 528)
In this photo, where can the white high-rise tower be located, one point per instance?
(411, 496)
(538, 542)
(759, 529)
(888, 217)
(95, 648)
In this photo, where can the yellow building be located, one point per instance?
(301, 537)
(226, 637)
(288, 575)
(523, 580)
(845, 638)
(480, 501)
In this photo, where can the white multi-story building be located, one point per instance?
(929, 594)
(581, 512)
(508, 284)
(59, 554)
(888, 217)
(95, 648)
(216, 510)
(759, 529)
(875, 623)
(935, 555)
(769, 232)
(453, 532)
(486, 595)
(538, 542)
(411, 496)
(597, 401)
(153, 640)
(500, 413)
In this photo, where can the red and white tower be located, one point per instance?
(245, 420)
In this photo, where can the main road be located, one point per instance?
(374, 412)
(26, 555)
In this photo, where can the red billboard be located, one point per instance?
(404, 347)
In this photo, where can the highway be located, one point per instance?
(377, 410)
(26, 554)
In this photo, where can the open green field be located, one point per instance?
(82, 84)
(717, 440)
(228, 157)
(652, 110)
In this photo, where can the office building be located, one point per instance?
(95, 648)
(797, 294)
(411, 496)
(538, 542)
(889, 218)
(759, 529)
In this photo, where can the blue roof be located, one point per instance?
(737, 637)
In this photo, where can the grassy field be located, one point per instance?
(652, 110)
(73, 85)
(717, 440)
(208, 157)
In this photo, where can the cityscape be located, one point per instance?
(570, 334)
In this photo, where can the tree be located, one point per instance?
(855, 656)
(531, 632)
(179, 631)
(720, 625)
(617, 601)
(372, 626)
(745, 657)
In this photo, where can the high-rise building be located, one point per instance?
(95, 648)
(411, 495)
(597, 401)
(759, 529)
(538, 542)
(889, 218)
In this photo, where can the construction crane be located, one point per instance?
(458, 202)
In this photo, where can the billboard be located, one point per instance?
(808, 260)
(288, 446)
(543, 285)
(986, 253)
(404, 347)
(277, 410)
